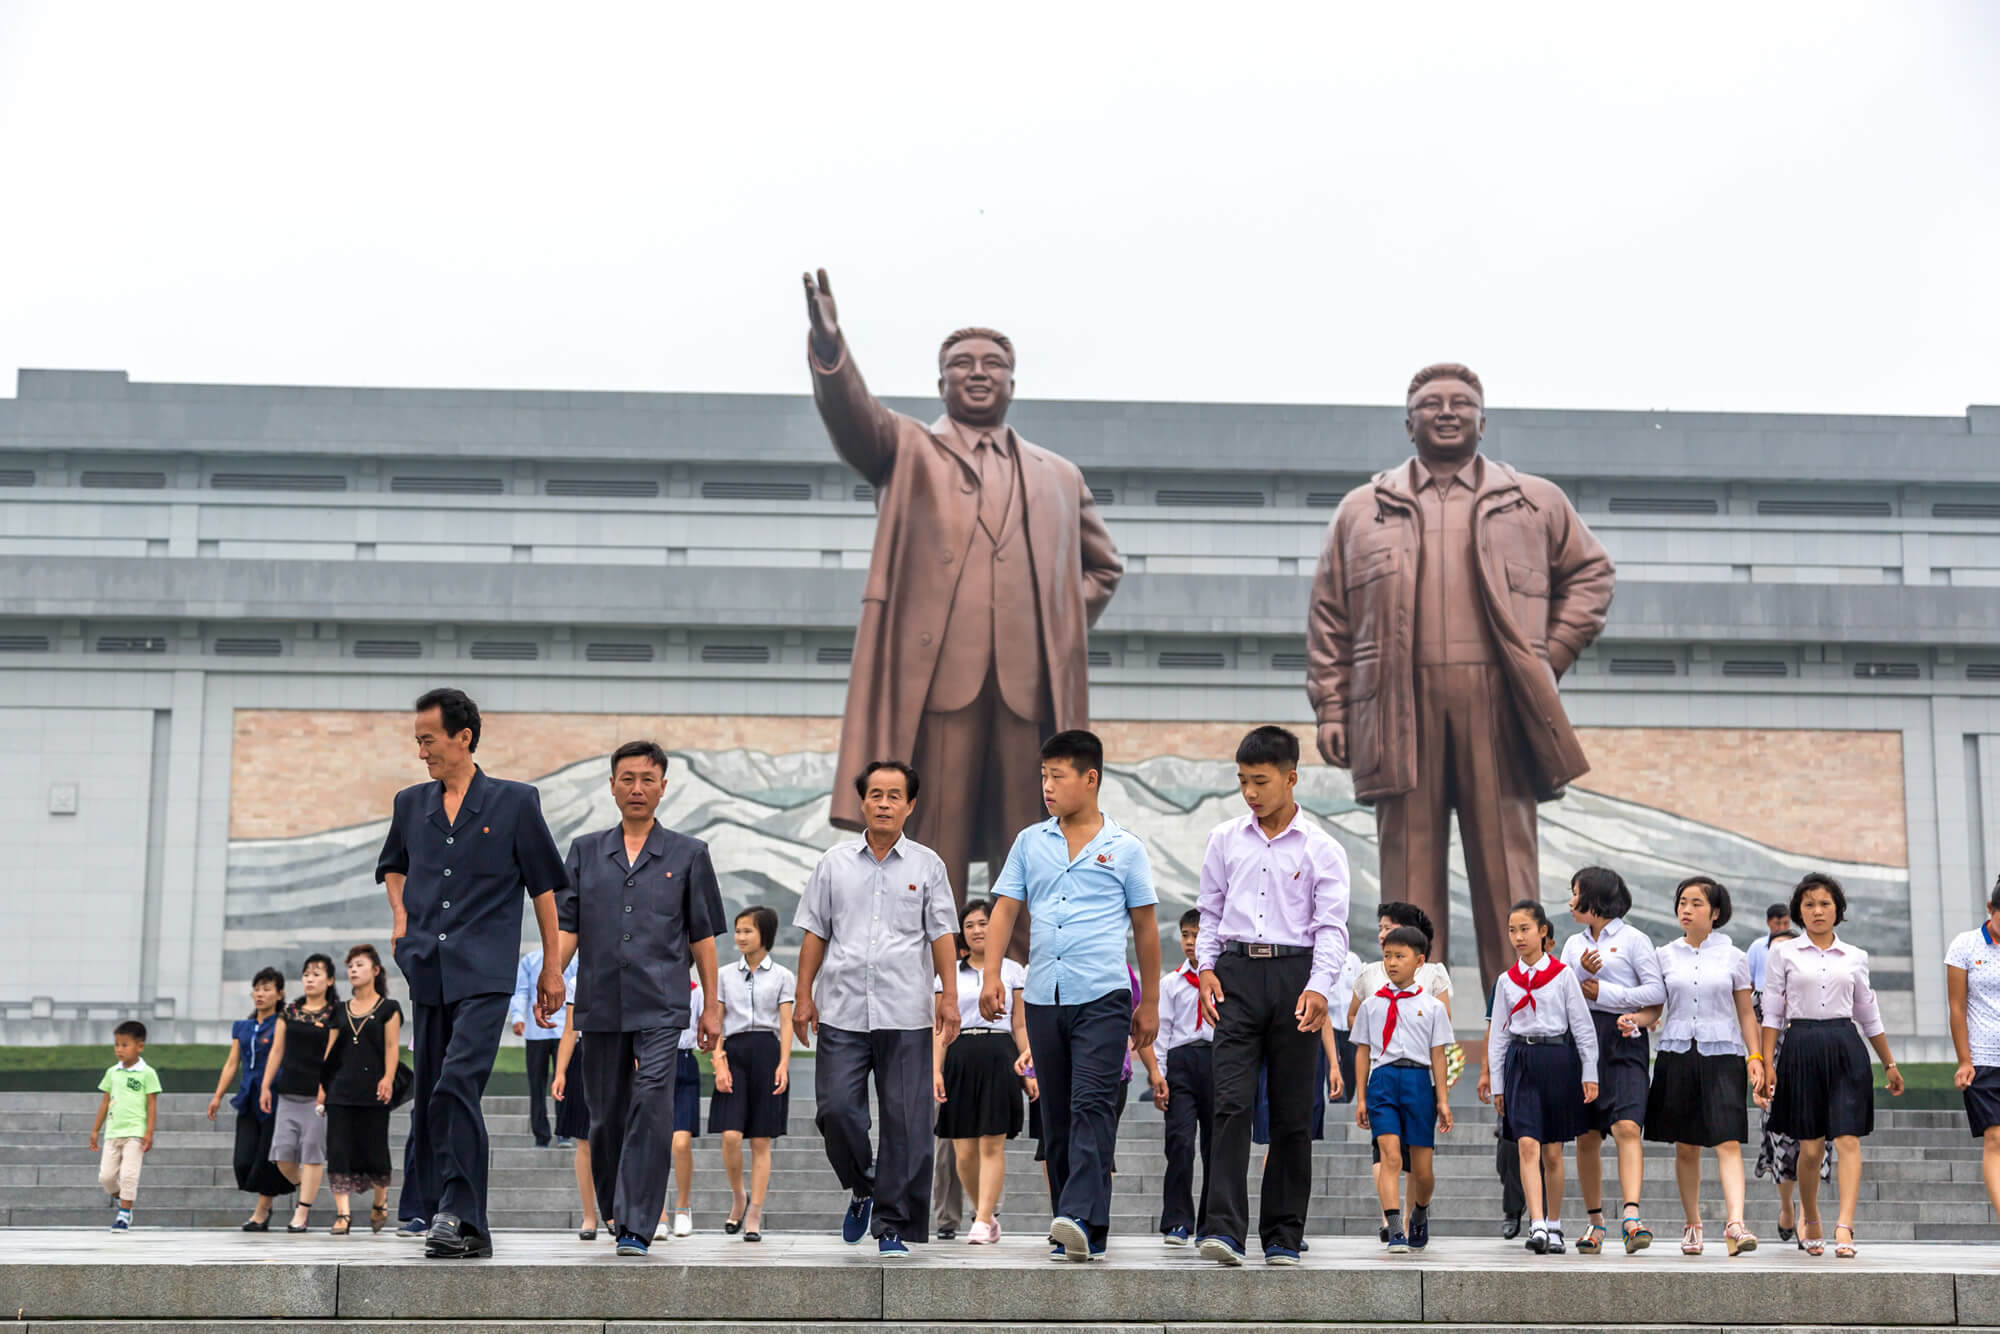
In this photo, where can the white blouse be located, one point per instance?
(1013, 977)
(1976, 954)
(1628, 968)
(1701, 996)
(1554, 1008)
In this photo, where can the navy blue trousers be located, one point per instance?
(456, 1044)
(1079, 1051)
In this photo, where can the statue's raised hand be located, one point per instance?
(825, 320)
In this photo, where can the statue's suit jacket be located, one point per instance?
(926, 496)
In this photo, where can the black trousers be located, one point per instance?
(628, 1080)
(541, 1068)
(1256, 1026)
(1079, 1051)
(456, 1044)
(1190, 1129)
(412, 1205)
(898, 1176)
(1345, 1047)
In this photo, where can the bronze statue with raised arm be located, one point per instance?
(990, 565)
(1452, 592)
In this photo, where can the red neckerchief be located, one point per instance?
(1389, 1026)
(1529, 983)
(1194, 980)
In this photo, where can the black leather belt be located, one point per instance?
(1251, 949)
(986, 1032)
(1544, 1040)
(1405, 1063)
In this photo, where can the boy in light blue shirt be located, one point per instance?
(125, 1119)
(1084, 882)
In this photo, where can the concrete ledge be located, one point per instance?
(1100, 1292)
(604, 1288)
(95, 1288)
(1617, 1294)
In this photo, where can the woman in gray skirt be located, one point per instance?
(291, 1085)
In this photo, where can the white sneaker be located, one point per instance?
(660, 1230)
(683, 1223)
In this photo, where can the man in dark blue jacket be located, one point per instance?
(640, 903)
(463, 851)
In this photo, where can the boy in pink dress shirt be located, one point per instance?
(1272, 942)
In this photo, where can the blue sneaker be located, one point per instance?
(855, 1226)
(1074, 1238)
(413, 1227)
(123, 1222)
(1398, 1243)
(1056, 1252)
(631, 1243)
(1420, 1232)
(1175, 1236)
(1221, 1250)
(890, 1247)
(1280, 1255)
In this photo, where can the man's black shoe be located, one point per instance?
(449, 1240)
(947, 1234)
(1511, 1228)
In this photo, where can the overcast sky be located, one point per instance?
(1769, 206)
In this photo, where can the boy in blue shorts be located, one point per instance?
(1400, 1037)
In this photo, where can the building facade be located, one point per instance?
(216, 604)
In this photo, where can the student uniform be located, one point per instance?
(1399, 1027)
(982, 1094)
(874, 993)
(1336, 1015)
(1975, 953)
(1628, 979)
(636, 920)
(1079, 999)
(573, 1112)
(687, 1066)
(1818, 998)
(752, 1042)
(1542, 1050)
(1434, 978)
(1701, 1081)
(1186, 1051)
(1273, 926)
(466, 882)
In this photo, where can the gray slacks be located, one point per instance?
(898, 1176)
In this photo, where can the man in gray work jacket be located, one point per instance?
(641, 903)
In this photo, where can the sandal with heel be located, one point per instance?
(1592, 1240)
(342, 1225)
(1637, 1235)
(1739, 1239)
(1811, 1245)
(1843, 1249)
(378, 1217)
(1691, 1242)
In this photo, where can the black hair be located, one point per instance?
(1786, 934)
(1408, 914)
(1191, 918)
(1785, 909)
(766, 920)
(367, 952)
(1534, 910)
(1993, 899)
(1820, 880)
(1409, 938)
(640, 750)
(455, 710)
(1601, 892)
(271, 975)
(909, 773)
(1082, 749)
(131, 1028)
(1269, 745)
(332, 991)
(1713, 890)
(971, 906)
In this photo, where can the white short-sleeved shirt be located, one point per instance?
(697, 1002)
(1342, 1000)
(751, 996)
(1980, 959)
(1421, 1024)
(1013, 977)
(1701, 995)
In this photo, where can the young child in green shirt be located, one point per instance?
(125, 1118)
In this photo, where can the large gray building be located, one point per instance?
(217, 602)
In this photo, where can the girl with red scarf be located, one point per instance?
(1541, 1058)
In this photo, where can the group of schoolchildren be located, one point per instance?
(1269, 1016)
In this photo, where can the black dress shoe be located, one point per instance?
(450, 1240)
(257, 1225)
(947, 1234)
(1511, 1227)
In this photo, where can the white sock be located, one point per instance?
(1538, 1225)
(1555, 1225)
